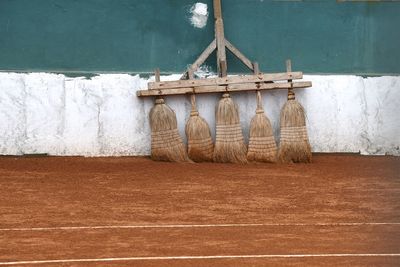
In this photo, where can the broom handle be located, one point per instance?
(290, 90)
(193, 102)
(192, 96)
(157, 78)
(220, 37)
(256, 70)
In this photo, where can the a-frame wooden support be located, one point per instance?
(258, 81)
(220, 44)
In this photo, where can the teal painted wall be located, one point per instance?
(137, 36)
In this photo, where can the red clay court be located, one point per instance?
(341, 210)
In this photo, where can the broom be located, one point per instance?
(262, 146)
(294, 144)
(229, 143)
(166, 143)
(200, 145)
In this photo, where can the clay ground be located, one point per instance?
(341, 210)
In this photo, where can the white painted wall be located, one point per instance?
(54, 114)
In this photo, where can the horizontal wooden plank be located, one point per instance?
(268, 77)
(174, 91)
(228, 88)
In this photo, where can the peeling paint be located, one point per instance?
(199, 15)
(204, 71)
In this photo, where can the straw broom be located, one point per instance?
(229, 143)
(166, 143)
(294, 145)
(200, 145)
(262, 146)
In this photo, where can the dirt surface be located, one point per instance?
(340, 204)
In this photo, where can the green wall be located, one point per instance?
(138, 35)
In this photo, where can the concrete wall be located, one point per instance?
(54, 114)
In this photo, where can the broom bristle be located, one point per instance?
(166, 143)
(294, 144)
(262, 146)
(229, 143)
(200, 145)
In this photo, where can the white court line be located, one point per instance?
(198, 258)
(61, 228)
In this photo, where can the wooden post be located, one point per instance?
(190, 73)
(256, 68)
(157, 75)
(157, 78)
(220, 38)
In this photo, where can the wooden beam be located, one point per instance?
(288, 65)
(221, 88)
(256, 68)
(217, 9)
(220, 38)
(223, 68)
(221, 53)
(175, 91)
(239, 54)
(190, 73)
(267, 86)
(266, 77)
(200, 60)
(157, 75)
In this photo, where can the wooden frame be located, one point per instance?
(268, 77)
(221, 88)
(257, 81)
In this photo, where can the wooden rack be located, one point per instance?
(257, 81)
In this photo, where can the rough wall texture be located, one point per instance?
(54, 114)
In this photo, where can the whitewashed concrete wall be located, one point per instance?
(54, 114)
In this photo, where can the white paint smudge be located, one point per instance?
(199, 15)
(205, 72)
